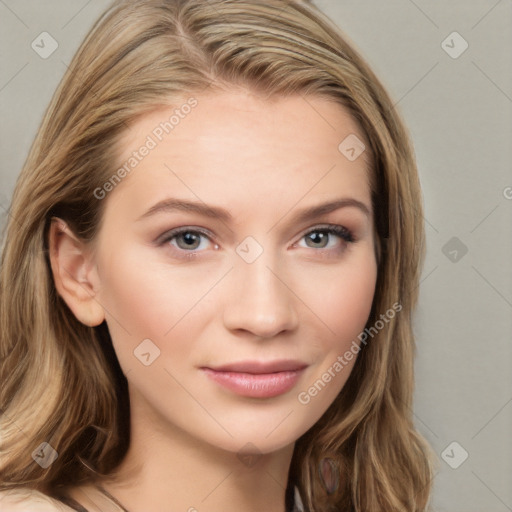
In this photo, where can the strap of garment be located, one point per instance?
(70, 502)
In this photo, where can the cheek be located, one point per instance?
(343, 300)
(150, 300)
(343, 310)
(132, 295)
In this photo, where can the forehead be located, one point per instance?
(240, 145)
(313, 120)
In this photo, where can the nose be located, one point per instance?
(259, 300)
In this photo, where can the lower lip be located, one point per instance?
(265, 385)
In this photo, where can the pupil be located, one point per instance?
(189, 238)
(317, 237)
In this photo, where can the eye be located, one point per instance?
(323, 237)
(186, 239)
(192, 241)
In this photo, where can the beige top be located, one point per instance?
(25, 500)
(28, 500)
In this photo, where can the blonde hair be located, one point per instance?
(62, 383)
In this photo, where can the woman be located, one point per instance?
(209, 271)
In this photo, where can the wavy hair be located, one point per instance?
(62, 383)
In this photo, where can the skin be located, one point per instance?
(304, 297)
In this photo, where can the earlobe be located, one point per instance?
(74, 273)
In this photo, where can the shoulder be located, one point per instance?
(29, 500)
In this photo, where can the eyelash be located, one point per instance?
(342, 232)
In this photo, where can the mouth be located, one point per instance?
(257, 379)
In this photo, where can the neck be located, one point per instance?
(171, 470)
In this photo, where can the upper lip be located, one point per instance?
(260, 367)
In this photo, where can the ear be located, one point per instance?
(74, 273)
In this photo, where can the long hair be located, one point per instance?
(61, 382)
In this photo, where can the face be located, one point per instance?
(228, 292)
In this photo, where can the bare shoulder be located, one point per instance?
(29, 500)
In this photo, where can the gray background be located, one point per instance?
(459, 112)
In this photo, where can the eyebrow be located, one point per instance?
(170, 205)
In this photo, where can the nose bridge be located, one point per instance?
(260, 301)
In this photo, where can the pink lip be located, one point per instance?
(256, 379)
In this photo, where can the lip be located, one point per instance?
(257, 379)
